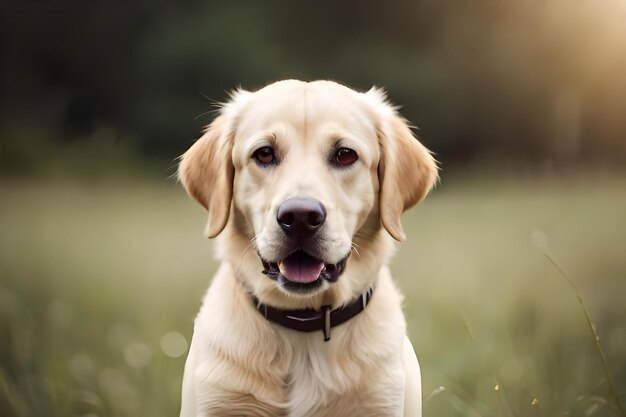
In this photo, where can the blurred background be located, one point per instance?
(102, 259)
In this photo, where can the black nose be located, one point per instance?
(300, 218)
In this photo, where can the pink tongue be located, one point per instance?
(300, 267)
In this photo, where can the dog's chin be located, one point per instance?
(302, 273)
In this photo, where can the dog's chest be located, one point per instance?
(326, 384)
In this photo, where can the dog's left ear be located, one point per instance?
(407, 170)
(206, 171)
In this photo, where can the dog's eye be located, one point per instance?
(264, 156)
(345, 157)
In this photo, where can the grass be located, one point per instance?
(100, 281)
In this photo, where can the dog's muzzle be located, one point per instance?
(302, 269)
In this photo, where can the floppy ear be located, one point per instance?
(206, 171)
(407, 171)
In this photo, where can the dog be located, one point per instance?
(304, 184)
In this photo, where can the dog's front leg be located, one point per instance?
(413, 384)
(188, 400)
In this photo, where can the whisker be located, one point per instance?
(239, 266)
(247, 248)
(353, 248)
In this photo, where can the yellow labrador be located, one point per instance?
(304, 184)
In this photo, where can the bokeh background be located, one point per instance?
(102, 259)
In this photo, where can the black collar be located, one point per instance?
(310, 320)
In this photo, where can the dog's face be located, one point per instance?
(305, 173)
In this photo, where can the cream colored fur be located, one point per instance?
(239, 363)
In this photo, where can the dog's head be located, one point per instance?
(303, 179)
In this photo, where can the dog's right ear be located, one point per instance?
(206, 171)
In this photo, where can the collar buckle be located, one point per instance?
(326, 317)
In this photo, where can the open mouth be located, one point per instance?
(302, 272)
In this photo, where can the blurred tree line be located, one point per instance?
(537, 80)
